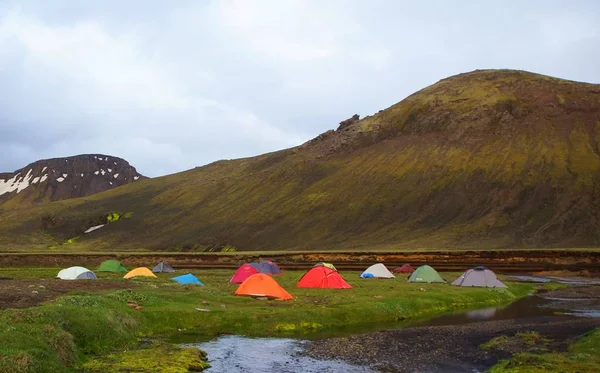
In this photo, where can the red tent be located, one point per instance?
(404, 269)
(324, 278)
(242, 273)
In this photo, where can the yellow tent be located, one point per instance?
(140, 272)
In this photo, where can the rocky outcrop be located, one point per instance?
(62, 178)
(348, 122)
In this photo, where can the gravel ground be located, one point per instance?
(456, 348)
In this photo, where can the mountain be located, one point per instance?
(486, 159)
(63, 178)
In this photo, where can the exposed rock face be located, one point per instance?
(348, 122)
(62, 178)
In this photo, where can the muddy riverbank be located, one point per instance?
(457, 348)
(503, 261)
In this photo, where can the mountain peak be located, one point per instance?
(68, 177)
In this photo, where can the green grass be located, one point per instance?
(582, 357)
(63, 334)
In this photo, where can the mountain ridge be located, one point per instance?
(487, 159)
(65, 177)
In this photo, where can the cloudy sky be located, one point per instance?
(170, 87)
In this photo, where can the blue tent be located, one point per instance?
(187, 279)
(266, 267)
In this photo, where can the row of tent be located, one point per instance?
(479, 276)
(82, 273)
(255, 278)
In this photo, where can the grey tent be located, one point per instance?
(163, 267)
(479, 276)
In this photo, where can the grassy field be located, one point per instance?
(582, 357)
(65, 334)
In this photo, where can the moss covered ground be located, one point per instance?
(86, 330)
(582, 357)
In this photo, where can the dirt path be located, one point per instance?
(456, 348)
(28, 293)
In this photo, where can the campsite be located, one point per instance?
(299, 186)
(198, 305)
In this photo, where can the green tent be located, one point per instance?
(323, 264)
(425, 274)
(111, 266)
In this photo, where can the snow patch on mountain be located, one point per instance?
(17, 183)
(94, 228)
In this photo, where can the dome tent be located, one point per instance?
(406, 268)
(76, 273)
(425, 273)
(267, 267)
(243, 272)
(377, 271)
(479, 277)
(112, 266)
(139, 272)
(324, 278)
(328, 265)
(188, 278)
(262, 285)
(163, 267)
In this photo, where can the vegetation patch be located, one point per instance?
(520, 342)
(159, 358)
(582, 357)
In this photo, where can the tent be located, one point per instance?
(188, 278)
(479, 276)
(76, 273)
(324, 278)
(140, 272)
(323, 264)
(406, 268)
(163, 267)
(378, 271)
(262, 285)
(111, 266)
(242, 273)
(266, 266)
(425, 274)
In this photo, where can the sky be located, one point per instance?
(171, 85)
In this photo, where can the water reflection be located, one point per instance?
(254, 355)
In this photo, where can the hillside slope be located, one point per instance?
(480, 160)
(63, 178)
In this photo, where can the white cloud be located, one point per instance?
(107, 86)
(169, 87)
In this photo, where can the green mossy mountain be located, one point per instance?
(486, 159)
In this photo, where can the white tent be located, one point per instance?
(377, 271)
(76, 273)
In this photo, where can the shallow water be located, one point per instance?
(243, 354)
(257, 355)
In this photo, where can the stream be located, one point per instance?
(236, 353)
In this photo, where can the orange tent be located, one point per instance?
(140, 272)
(261, 285)
(324, 278)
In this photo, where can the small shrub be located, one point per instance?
(113, 217)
